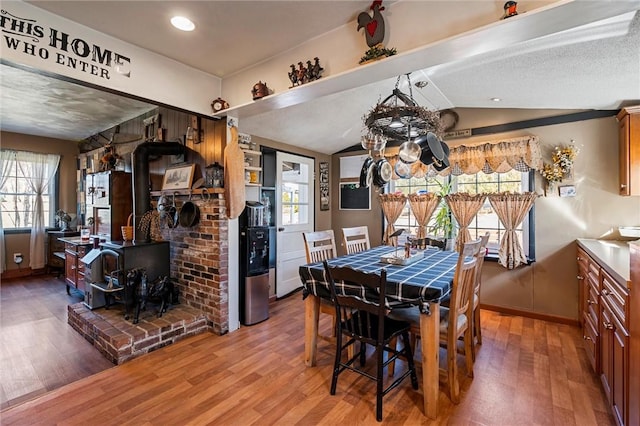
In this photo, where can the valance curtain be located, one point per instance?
(522, 154)
(7, 158)
(37, 170)
(511, 210)
(464, 208)
(392, 205)
(423, 206)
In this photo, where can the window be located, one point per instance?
(17, 196)
(295, 193)
(486, 220)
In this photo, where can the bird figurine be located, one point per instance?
(302, 73)
(293, 75)
(373, 25)
(510, 9)
(317, 69)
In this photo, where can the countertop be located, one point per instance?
(613, 256)
(75, 241)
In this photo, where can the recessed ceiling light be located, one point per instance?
(496, 99)
(182, 23)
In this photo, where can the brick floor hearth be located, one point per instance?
(119, 340)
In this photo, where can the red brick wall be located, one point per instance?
(199, 261)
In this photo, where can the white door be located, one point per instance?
(294, 215)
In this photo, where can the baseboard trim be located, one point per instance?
(534, 315)
(17, 273)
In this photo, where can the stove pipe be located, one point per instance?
(140, 179)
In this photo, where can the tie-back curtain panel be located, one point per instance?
(7, 158)
(37, 170)
(511, 210)
(522, 154)
(423, 206)
(464, 207)
(392, 205)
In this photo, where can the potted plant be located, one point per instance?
(443, 224)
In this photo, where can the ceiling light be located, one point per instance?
(496, 99)
(182, 23)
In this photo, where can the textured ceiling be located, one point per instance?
(590, 66)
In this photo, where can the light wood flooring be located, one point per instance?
(527, 372)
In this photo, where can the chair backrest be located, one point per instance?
(482, 251)
(356, 239)
(463, 284)
(358, 318)
(422, 243)
(319, 246)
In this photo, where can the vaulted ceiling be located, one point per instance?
(591, 62)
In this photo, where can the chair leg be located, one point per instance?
(452, 369)
(379, 383)
(408, 353)
(476, 324)
(363, 353)
(393, 343)
(336, 364)
(468, 351)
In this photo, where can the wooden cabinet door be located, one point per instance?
(606, 349)
(629, 150)
(619, 394)
(70, 270)
(623, 141)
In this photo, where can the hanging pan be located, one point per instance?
(189, 213)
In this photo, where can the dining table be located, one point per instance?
(423, 283)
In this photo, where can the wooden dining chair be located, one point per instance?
(455, 321)
(356, 239)
(320, 246)
(368, 323)
(477, 330)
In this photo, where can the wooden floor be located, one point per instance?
(527, 372)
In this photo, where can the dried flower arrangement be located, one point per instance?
(562, 164)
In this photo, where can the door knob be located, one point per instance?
(280, 229)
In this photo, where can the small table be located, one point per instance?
(423, 283)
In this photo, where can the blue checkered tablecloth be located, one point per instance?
(426, 280)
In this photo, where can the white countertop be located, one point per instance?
(613, 256)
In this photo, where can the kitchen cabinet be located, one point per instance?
(109, 203)
(55, 249)
(588, 279)
(629, 150)
(74, 250)
(609, 299)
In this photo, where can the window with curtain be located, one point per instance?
(486, 220)
(18, 198)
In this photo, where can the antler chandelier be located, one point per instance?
(399, 118)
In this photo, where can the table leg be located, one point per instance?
(430, 340)
(311, 316)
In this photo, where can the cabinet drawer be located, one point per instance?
(583, 259)
(593, 305)
(616, 296)
(590, 336)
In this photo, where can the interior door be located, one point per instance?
(294, 215)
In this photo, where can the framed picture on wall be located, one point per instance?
(178, 177)
(324, 185)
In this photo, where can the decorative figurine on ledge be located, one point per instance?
(304, 75)
(219, 104)
(374, 33)
(510, 9)
(260, 90)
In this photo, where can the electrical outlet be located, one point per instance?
(17, 258)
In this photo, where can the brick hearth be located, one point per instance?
(119, 340)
